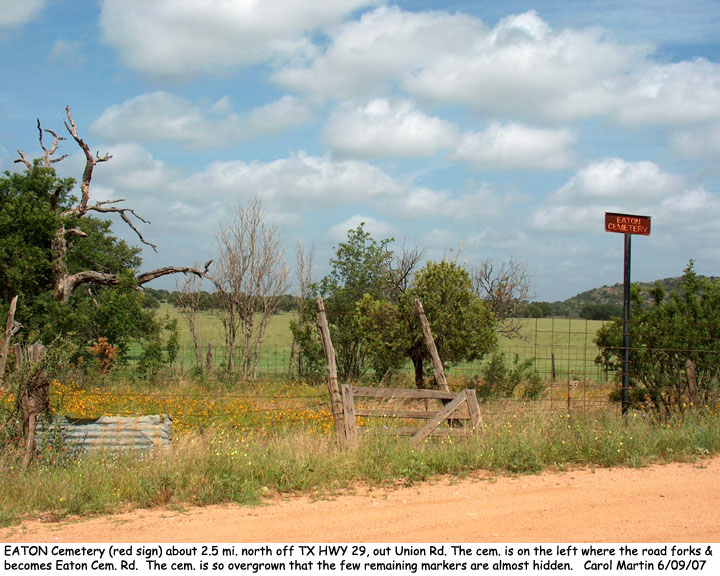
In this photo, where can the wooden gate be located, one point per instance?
(455, 407)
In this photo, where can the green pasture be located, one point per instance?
(562, 348)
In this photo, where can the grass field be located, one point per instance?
(562, 348)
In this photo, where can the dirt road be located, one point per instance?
(671, 503)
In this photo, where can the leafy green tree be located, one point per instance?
(668, 333)
(462, 324)
(73, 276)
(604, 311)
(29, 219)
(361, 265)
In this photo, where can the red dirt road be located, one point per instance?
(670, 503)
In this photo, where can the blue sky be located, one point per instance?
(504, 130)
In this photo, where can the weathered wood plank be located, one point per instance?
(409, 414)
(332, 381)
(425, 431)
(404, 431)
(400, 393)
(473, 408)
(438, 369)
(349, 414)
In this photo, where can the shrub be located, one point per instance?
(671, 334)
(499, 379)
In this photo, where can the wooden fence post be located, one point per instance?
(438, 369)
(349, 414)
(9, 331)
(473, 408)
(691, 373)
(335, 397)
(34, 396)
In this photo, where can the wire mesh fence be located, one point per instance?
(552, 367)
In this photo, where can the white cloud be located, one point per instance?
(300, 184)
(572, 220)
(693, 203)
(160, 116)
(184, 38)
(614, 179)
(609, 185)
(517, 146)
(133, 170)
(478, 205)
(384, 128)
(14, 13)
(377, 228)
(284, 113)
(679, 93)
(521, 66)
(294, 184)
(699, 142)
(369, 55)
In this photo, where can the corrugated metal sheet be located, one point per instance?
(106, 432)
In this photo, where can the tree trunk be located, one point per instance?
(417, 360)
(6, 339)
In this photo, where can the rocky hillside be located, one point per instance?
(602, 303)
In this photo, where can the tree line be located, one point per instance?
(70, 278)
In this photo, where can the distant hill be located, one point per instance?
(602, 303)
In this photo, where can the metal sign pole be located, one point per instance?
(626, 329)
(627, 224)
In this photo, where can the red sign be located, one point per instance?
(627, 224)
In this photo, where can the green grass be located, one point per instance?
(274, 353)
(210, 328)
(561, 347)
(227, 465)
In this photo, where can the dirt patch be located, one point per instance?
(670, 503)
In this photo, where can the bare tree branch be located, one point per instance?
(90, 162)
(53, 148)
(505, 289)
(146, 277)
(66, 283)
(23, 159)
(102, 208)
(48, 160)
(251, 277)
(187, 300)
(403, 268)
(70, 282)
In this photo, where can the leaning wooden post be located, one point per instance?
(335, 397)
(438, 369)
(6, 340)
(34, 397)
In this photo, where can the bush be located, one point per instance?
(499, 379)
(671, 334)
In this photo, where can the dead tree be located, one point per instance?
(187, 300)
(304, 271)
(65, 282)
(251, 277)
(506, 289)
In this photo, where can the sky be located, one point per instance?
(474, 130)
